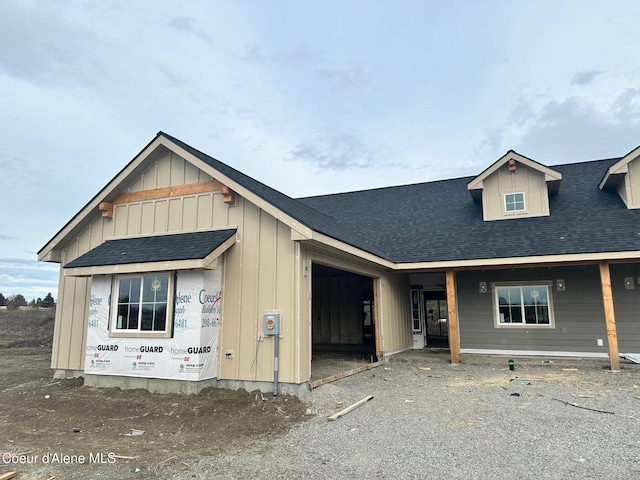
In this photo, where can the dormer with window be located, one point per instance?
(624, 177)
(515, 187)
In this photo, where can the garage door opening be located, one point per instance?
(343, 321)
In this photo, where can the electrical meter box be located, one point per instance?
(271, 323)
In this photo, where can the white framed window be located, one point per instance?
(514, 202)
(523, 304)
(416, 311)
(142, 305)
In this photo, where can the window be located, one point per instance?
(514, 202)
(416, 311)
(523, 305)
(143, 305)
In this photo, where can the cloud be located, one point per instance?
(253, 54)
(19, 171)
(188, 25)
(492, 141)
(296, 57)
(184, 24)
(30, 278)
(336, 151)
(626, 107)
(36, 46)
(7, 237)
(566, 130)
(585, 77)
(351, 77)
(14, 174)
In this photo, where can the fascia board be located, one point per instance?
(213, 256)
(134, 268)
(344, 247)
(296, 235)
(520, 261)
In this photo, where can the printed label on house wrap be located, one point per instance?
(191, 353)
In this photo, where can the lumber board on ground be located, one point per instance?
(335, 416)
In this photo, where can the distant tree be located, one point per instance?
(39, 302)
(32, 303)
(3, 301)
(48, 301)
(16, 301)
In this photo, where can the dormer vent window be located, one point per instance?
(514, 202)
(512, 166)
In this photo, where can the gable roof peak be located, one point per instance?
(551, 176)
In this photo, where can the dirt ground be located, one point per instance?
(42, 418)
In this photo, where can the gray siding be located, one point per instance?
(579, 312)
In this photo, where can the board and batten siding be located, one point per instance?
(261, 276)
(168, 170)
(395, 313)
(262, 272)
(70, 330)
(578, 311)
(629, 188)
(525, 180)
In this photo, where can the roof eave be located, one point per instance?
(326, 240)
(137, 268)
(512, 262)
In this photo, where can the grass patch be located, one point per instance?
(31, 327)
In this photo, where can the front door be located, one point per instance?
(436, 319)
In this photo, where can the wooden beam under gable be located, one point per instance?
(106, 208)
(228, 195)
(177, 191)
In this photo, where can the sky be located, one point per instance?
(309, 98)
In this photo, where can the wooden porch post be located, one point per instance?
(609, 316)
(454, 335)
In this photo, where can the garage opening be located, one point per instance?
(343, 321)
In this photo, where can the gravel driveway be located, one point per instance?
(429, 419)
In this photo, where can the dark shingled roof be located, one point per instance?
(333, 227)
(161, 248)
(439, 221)
(426, 222)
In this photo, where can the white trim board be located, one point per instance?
(534, 353)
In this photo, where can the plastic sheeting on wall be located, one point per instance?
(191, 353)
